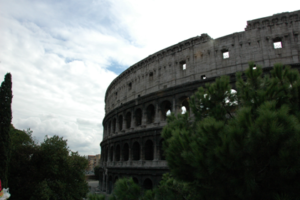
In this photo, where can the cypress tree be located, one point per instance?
(5, 121)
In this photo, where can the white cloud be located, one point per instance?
(60, 53)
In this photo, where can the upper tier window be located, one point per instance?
(183, 65)
(277, 45)
(151, 76)
(129, 86)
(225, 54)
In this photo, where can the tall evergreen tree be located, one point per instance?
(5, 121)
(243, 145)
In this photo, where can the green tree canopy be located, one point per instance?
(126, 189)
(46, 171)
(242, 145)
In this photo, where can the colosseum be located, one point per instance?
(139, 99)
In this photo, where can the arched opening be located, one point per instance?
(150, 114)
(114, 125)
(150, 76)
(147, 184)
(136, 151)
(128, 120)
(149, 150)
(135, 180)
(110, 184)
(120, 122)
(166, 109)
(161, 151)
(185, 106)
(118, 151)
(111, 153)
(116, 178)
(125, 152)
(138, 117)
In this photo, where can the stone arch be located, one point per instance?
(161, 151)
(166, 108)
(111, 153)
(138, 117)
(120, 119)
(116, 178)
(150, 110)
(149, 150)
(118, 152)
(136, 151)
(128, 120)
(184, 104)
(147, 184)
(125, 152)
(135, 179)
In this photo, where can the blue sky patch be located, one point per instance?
(116, 67)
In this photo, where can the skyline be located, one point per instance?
(63, 56)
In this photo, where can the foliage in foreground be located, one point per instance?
(168, 189)
(5, 121)
(242, 145)
(46, 171)
(96, 197)
(126, 189)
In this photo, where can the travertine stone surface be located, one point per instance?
(138, 100)
(203, 56)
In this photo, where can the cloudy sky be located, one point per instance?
(63, 54)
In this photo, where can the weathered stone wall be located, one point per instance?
(139, 99)
(204, 56)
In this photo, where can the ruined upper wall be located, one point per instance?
(201, 57)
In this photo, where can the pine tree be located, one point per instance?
(243, 145)
(5, 121)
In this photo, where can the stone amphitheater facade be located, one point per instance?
(139, 99)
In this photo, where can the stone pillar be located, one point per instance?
(110, 128)
(121, 152)
(157, 112)
(124, 121)
(132, 119)
(114, 153)
(130, 156)
(142, 151)
(117, 124)
(174, 106)
(144, 115)
(155, 149)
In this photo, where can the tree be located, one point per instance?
(22, 172)
(172, 189)
(46, 171)
(126, 189)
(242, 145)
(5, 121)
